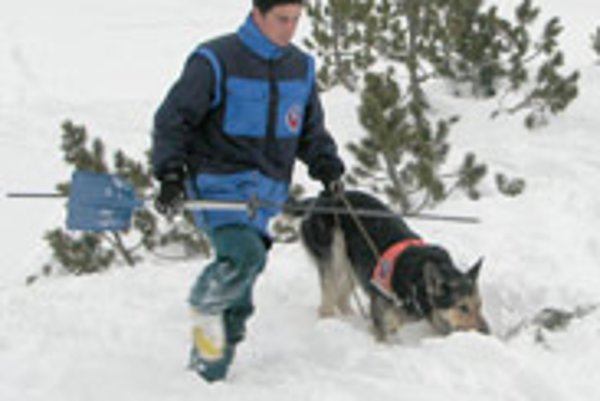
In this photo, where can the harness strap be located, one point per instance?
(384, 271)
(381, 280)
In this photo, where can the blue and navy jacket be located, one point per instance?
(240, 114)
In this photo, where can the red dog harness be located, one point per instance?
(384, 271)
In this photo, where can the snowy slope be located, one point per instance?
(124, 335)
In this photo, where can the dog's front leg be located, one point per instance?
(387, 318)
(378, 312)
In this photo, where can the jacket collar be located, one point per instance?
(251, 36)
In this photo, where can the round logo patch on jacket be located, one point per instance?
(292, 118)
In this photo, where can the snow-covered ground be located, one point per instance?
(123, 335)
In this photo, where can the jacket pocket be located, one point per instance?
(293, 96)
(247, 105)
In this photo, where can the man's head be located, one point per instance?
(265, 5)
(277, 19)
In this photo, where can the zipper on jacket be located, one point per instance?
(271, 139)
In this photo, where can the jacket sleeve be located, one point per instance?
(316, 146)
(181, 113)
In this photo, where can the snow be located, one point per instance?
(124, 334)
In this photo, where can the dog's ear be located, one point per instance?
(434, 280)
(473, 272)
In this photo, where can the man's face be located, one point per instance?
(279, 23)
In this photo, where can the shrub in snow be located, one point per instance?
(89, 252)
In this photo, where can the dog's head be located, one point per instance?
(453, 296)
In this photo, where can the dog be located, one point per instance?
(404, 278)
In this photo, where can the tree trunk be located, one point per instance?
(392, 172)
(122, 250)
(413, 8)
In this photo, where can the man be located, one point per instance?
(244, 108)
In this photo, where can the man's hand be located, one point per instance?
(171, 195)
(329, 171)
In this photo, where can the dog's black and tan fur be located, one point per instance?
(425, 282)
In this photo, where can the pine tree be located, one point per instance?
(80, 253)
(337, 40)
(404, 151)
(397, 158)
(458, 41)
(546, 91)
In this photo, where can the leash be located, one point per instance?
(351, 277)
(360, 226)
(367, 237)
(377, 255)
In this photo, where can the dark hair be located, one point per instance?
(265, 5)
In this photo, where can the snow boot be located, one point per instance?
(211, 354)
(222, 298)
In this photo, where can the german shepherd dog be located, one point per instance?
(422, 281)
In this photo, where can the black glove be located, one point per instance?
(170, 197)
(328, 171)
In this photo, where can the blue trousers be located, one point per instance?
(225, 285)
